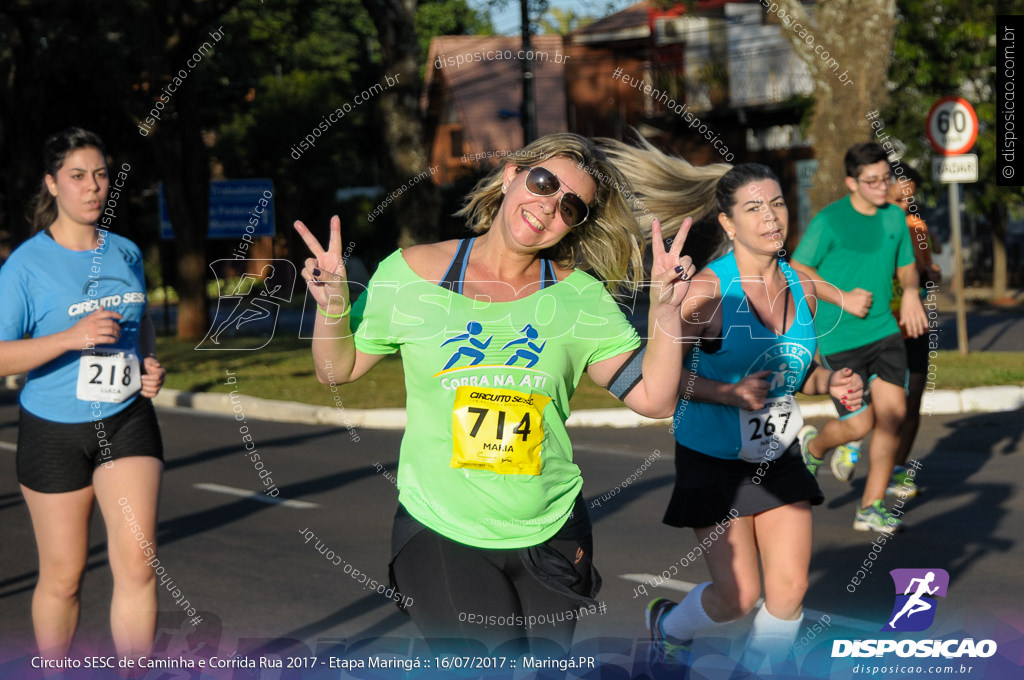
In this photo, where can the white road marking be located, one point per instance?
(253, 495)
(686, 586)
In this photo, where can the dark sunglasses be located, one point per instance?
(542, 182)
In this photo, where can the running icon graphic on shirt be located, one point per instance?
(530, 352)
(249, 308)
(915, 605)
(787, 361)
(472, 345)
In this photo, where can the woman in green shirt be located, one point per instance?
(491, 539)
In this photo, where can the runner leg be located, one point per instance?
(784, 537)
(131, 484)
(460, 595)
(60, 522)
(889, 403)
(842, 431)
(735, 581)
(908, 432)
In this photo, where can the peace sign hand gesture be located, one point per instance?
(325, 271)
(670, 273)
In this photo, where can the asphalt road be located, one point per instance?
(244, 565)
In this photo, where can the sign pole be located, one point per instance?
(952, 130)
(958, 261)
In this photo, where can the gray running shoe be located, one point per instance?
(663, 651)
(844, 461)
(876, 517)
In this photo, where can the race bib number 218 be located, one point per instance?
(107, 376)
(498, 430)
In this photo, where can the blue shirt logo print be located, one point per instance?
(531, 353)
(475, 349)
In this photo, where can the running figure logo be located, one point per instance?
(475, 348)
(531, 353)
(914, 609)
(252, 306)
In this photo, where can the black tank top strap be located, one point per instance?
(547, 274)
(456, 274)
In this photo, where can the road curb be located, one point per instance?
(992, 399)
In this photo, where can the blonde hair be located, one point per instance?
(667, 187)
(609, 242)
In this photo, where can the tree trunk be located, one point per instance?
(854, 46)
(405, 144)
(999, 272)
(185, 171)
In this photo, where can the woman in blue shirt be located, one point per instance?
(74, 318)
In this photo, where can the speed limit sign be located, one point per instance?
(952, 126)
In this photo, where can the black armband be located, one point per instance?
(629, 374)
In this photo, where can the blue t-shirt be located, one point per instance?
(45, 289)
(747, 347)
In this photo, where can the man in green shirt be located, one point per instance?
(851, 249)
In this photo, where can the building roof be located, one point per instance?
(483, 76)
(637, 21)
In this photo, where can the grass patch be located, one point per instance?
(284, 370)
(955, 371)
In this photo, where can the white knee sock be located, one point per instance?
(770, 639)
(687, 617)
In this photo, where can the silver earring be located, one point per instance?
(731, 237)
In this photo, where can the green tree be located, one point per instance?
(267, 79)
(448, 17)
(946, 47)
(558, 21)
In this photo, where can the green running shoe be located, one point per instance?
(901, 484)
(804, 436)
(663, 651)
(876, 517)
(844, 461)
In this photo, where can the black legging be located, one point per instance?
(465, 597)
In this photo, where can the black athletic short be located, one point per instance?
(917, 353)
(885, 359)
(60, 457)
(709, 489)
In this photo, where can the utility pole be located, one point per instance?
(528, 113)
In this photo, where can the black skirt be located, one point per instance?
(710, 489)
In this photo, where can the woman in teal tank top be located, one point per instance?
(741, 483)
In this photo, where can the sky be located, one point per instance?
(506, 21)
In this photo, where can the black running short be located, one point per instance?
(885, 359)
(917, 353)
(709, 490)
(60, 457)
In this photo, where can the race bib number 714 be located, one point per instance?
(498, 430)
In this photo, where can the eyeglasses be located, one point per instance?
(542, 182)
(876, 182)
